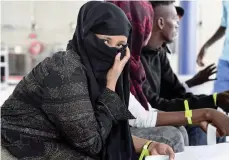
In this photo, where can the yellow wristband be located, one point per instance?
(188, 113)
(145, 151)
(215, 98)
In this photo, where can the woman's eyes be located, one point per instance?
(120, 45)
(110, 45)
(106, 41)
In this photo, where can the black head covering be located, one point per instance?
(107, 19)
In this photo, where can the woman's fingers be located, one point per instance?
(126, 57)
(170, 152)
(161, 149)
(117, 59)
(117, 68)
(154, 152)
(122, 63)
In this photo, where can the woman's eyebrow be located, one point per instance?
(108, 38)
(123, 42)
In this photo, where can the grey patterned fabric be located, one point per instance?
(184, 134)
(50, 116)
(174, 137)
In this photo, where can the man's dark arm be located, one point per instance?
(172, 93)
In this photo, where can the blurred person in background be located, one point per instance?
(149, 123)
(202, 76)
(73, 105)
(162, 87)
(222, 82)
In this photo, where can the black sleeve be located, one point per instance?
(172, 92)
(68, 106)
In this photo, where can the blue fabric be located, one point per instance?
(222, 82)
(225, 23)
(221, 140)
(196, 136)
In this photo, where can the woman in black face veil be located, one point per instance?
(74, 104)
(98, 52)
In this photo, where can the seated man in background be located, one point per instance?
(162, 88)
(203, 76)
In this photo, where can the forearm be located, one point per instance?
(139, 143)
(179, 119)
(218, 34)
(177, 104)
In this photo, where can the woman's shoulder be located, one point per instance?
(66, 76)
(63, 58)
(64, 62)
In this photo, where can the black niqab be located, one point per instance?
(107, 19)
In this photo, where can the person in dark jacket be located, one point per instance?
(162, 88)
(74, 105)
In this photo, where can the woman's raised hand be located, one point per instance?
(117, 68)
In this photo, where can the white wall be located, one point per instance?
(211, 17)
(52, 18)
(209, 12)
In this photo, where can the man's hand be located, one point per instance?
(218, 34)
(201, 56)
(204, 127)
(202, 76)
(217, 119)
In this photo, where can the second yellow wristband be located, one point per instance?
(188, 113)
(215, 98)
